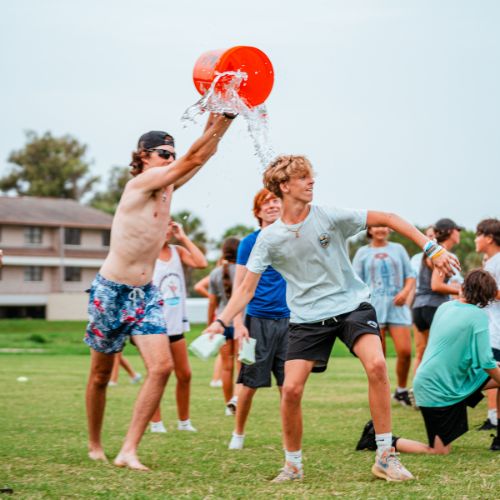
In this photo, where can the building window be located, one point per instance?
(33, 235)
(72, 274)
(106, 236)
(72, 236)
(33, 273)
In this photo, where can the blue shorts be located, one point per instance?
(117, 311)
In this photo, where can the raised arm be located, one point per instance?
(238, 301)
(198, 154)
(189, 254)
(443, 261)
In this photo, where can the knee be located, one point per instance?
(292, 393)
(161, 371)
(100, 378)
(183, 376)
(376, 369)
(404, 354)
(440, 451)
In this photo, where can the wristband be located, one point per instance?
(230, 116)
(432, 249)
(218, 320)
(437, 254)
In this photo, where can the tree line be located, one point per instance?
(57, 167)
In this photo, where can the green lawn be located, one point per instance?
(43, 452)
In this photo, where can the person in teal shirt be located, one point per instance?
(457, 365)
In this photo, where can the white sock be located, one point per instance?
(294, 457)
(384, 441)
(238, 437)
(399, 390)
(492, 416)
(185, 423)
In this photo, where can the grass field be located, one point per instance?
(43, 452)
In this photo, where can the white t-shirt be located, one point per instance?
(321, 281)
(493, 267)
(168, 276)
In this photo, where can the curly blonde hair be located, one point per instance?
(282, 168)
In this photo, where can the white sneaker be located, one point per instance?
(236, 442)
(136, 378)
(112, 384)
(186, 426)
(228, 412)
(232, 404)
(158, 427)
(215, 383)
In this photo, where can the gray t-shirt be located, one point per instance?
(321, 282)
(216, 286)
(425, 296)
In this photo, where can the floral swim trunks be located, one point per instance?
(117, 311)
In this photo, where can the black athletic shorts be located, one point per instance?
(229, 333)
(496, 353)
(314, 341)
(450, 422)
(270, 352)
(175, 338)
(423, 316)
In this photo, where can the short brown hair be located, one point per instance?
(490, 227)
(282, 168)
(479, 288)
(262, 196)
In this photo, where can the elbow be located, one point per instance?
(202, 264)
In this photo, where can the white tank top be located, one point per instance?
(168, 276)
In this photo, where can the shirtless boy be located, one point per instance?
(123, 302)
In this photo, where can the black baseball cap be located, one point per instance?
(443, 225)
(155, 138)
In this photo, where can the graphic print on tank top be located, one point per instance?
(385, 275)
(171, 289)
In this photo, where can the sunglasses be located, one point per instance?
(163, 153)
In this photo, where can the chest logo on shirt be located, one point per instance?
(324, 240)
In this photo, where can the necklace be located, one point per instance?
(296, 230)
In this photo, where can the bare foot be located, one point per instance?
(130, 461)
(98, 455)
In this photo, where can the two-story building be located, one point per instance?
(52, 249)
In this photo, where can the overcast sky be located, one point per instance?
(396, 103)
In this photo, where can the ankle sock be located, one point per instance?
(294, 457)
(492, 416)
(399, 390)
(184, 423)
(384, 441)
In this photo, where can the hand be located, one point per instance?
(446, 263)
(213, 329)
(178, 231)
(241, 332)
(400, 299)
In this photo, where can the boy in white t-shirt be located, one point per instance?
(488, 242)
(326, 298)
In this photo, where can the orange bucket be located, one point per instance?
(255, 90)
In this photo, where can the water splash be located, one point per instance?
(227, 100)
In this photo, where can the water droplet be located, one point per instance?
(222, 97)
